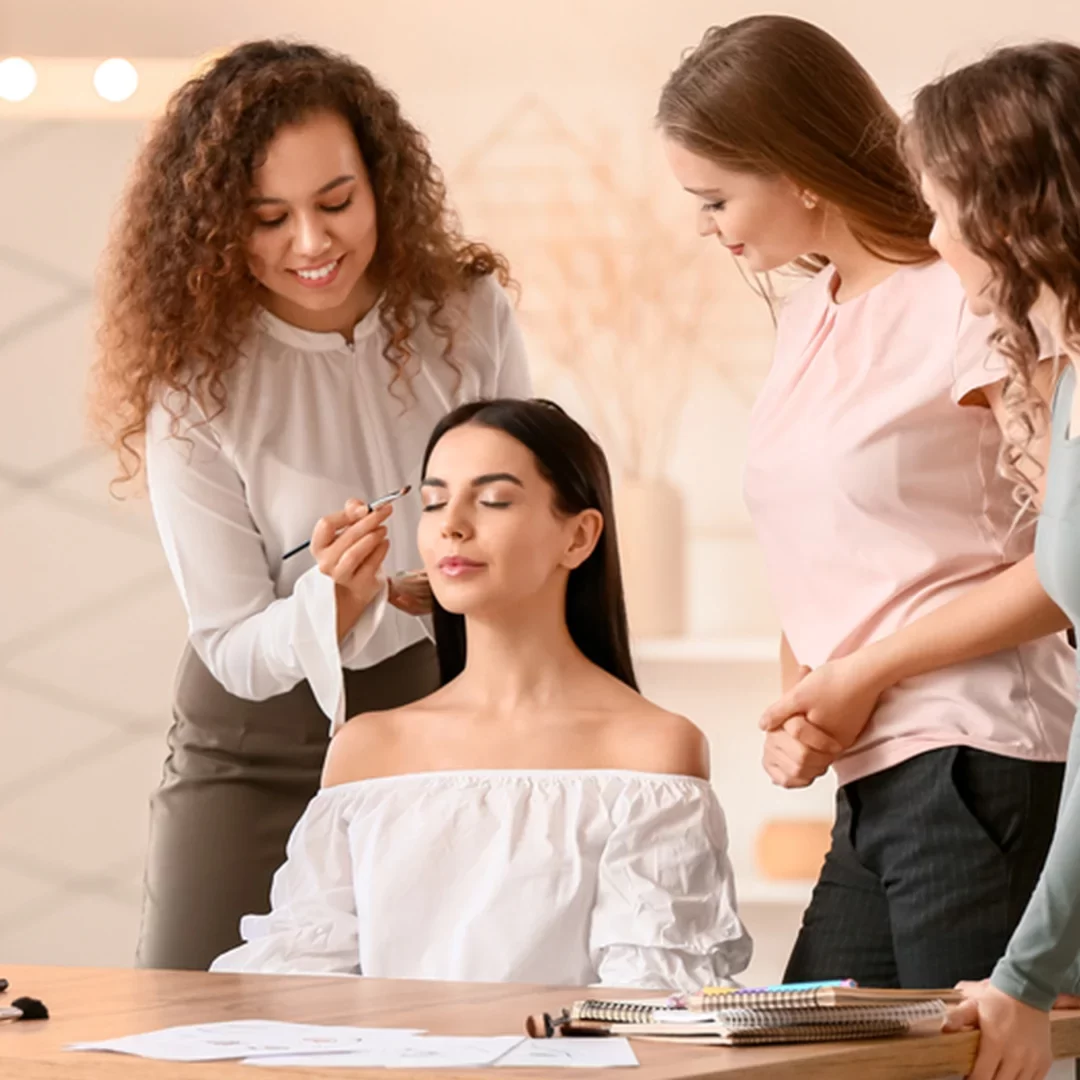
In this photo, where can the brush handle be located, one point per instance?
(373, 505)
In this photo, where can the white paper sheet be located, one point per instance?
(438, 1051)
(423, 1051)
(232, 1039)
(579, 1052)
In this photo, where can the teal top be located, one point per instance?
(1043, 958)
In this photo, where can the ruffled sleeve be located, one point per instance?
(315, 641)
(975, 363)
(312, 924)
(666, 915)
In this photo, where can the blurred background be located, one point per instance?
(541, 117)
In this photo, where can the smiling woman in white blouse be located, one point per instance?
(289, 308)
(535, 819)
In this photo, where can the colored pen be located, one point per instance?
(788, 987)
(373, 505)
(707, 993)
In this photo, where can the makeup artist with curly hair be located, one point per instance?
(289, 307)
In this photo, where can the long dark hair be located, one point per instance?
(577, 470)
(778, 96)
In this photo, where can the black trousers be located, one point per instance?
(931, 866)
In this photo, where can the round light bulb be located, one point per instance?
(116, 79)
(18, 79)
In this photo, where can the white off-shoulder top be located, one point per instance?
(567, 877)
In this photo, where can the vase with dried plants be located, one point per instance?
(618, 298)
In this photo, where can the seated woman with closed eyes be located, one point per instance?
(535, 819)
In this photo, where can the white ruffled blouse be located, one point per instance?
(564, 877)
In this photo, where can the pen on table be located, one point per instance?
(373, 505)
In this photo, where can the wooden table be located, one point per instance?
(89, 1003)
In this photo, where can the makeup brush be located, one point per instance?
(373, 505)
(25, 1008)
(544, 1025)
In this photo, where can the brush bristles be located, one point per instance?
(31, 1008)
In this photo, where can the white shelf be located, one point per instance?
(792, 893)
(748, 650)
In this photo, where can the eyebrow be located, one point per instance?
(479, 481)
(335, 183)
(706, 193)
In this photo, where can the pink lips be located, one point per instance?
(457, 566)
(735, 249)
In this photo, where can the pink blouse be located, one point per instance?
(875, 497)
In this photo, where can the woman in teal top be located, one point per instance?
(997, 145)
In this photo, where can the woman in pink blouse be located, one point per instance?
(921, 658)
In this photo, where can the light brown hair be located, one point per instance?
(775, 95)
(178, 297)
(1002, 136)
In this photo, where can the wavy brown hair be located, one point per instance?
(1002, 136)
(178, 297)
(778, 96)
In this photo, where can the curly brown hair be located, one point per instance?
(178, 297)
(776, 95)
(1002, 136)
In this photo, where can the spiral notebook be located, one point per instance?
(713, 997)
(764, 1017)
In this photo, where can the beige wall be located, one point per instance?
(541, 116)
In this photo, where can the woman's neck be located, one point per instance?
(520, 659)
(341, 319)
(857, 269)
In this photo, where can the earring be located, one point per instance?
(809, 201)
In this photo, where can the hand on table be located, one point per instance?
(1014, 1043)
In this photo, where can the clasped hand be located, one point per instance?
(819, 718)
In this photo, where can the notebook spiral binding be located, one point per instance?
(613, 1012)
(855, 1017)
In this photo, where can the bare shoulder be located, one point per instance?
(364, 747)
(655, 740)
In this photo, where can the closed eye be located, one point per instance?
(493, 504)
(714, 207)
(273, 223)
